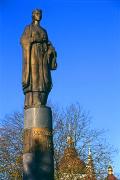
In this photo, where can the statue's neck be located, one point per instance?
(36, 23)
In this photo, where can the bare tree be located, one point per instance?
(73, 121)
(11, 146)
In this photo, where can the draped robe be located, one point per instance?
(39, 57)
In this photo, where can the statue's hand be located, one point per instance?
(52, 59)
(51, 50)
(23, 85)
(54, 66)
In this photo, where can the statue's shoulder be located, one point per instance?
(26, 33)
(44, 30)
(28, 27)
(28, 30)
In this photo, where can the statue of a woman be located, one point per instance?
(39, 57)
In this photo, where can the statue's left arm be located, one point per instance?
(52, 55)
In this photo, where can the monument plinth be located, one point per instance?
(38, 159)
(39, 58)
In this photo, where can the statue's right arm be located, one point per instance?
(26, 38)
(26, 43)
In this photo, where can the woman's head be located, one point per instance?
(37, 15)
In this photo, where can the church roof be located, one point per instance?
(90, 167)
(111, 177)
(70, 162)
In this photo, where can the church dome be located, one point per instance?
(110, 174)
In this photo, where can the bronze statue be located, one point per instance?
(39, 57)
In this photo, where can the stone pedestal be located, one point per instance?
(38, 162)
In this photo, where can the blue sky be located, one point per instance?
(86, 35)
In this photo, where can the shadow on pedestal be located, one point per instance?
(37, 165)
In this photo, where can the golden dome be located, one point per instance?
(110, 170)
(110, 174)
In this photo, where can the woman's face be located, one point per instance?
(37, 16)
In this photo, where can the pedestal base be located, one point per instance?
(38, 162)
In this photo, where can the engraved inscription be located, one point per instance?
(39, 131)
(37, 139)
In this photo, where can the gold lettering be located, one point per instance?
(41, 137)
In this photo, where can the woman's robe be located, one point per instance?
(39, 57)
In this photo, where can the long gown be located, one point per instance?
(36, 76)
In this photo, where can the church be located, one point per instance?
(71, 167)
